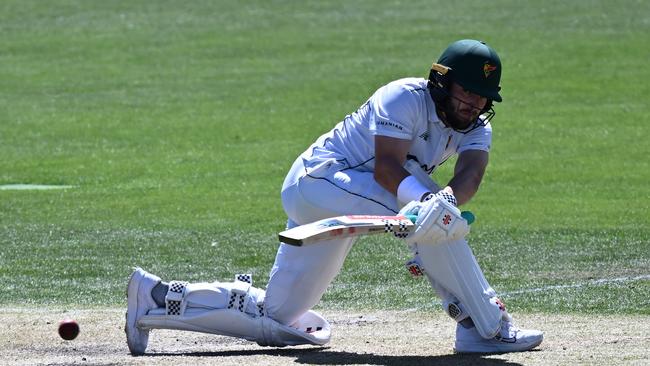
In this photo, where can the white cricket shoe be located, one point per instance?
(510, 339)
(139, 302)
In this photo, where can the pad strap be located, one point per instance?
(244, 277)
(174, 304)
(239, 296)
(261, 311)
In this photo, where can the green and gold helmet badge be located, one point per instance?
(487, 69)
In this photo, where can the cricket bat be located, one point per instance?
(352, 225)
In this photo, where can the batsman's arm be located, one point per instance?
(390, 156)
(468, 174)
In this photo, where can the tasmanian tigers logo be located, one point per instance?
(487, 69)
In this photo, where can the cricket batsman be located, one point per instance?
(377, 161)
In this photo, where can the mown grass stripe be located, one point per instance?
(598, 282)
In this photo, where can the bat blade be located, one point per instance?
(345, 227)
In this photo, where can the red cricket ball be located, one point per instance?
(68, 329)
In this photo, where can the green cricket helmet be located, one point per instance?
(473, 65)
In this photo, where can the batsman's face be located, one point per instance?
(464, 105)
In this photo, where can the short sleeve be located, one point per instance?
(395, 110)
(478, 139)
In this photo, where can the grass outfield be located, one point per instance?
(176, 122)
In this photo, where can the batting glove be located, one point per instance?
(438, 219)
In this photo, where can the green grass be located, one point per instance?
(177, 122)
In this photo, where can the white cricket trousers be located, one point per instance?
(315, 190)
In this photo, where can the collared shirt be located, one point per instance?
(402, 109)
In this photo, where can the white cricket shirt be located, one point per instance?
(401, 109)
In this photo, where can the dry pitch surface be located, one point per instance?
(373, 338)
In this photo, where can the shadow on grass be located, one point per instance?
(323, 356)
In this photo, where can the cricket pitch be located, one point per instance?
(358, 338)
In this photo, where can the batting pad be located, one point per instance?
(311, 328)
(234, 309)
(452, 265)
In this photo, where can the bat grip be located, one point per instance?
(469, 216)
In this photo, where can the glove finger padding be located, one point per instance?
(438, 220)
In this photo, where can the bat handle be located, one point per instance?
(469, 216)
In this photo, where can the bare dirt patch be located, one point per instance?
(29, 337)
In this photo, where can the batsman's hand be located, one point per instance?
(438, 219)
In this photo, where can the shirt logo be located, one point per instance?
(487, 69)
(390, 124)
(425, 136)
